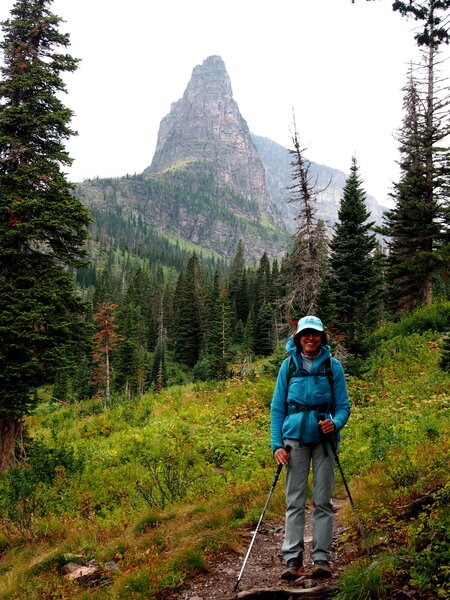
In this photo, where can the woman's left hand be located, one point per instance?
(327, 426)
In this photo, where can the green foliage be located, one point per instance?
(43, 227)
(168, 479)
(445, 358)
(364, 582)
(434, 30)
(23, 490)
(188, 322)
(417, 227)
(190, 560)
(355, 289)
(264, 339)
(427, 556)
(425, 318)
(203, 370)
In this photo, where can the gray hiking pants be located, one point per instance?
(296, 495)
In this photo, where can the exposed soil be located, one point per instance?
(261, 576)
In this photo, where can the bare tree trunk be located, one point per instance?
(107, 374)
(427, 289)
(10, 433)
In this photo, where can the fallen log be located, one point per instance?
(320, 592)
(415, 507)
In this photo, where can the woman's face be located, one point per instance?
(310, 341)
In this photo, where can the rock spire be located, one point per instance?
(206, 125)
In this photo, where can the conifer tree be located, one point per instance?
(104, 292)
(250, 333)
(264, 290)
(238, 291)
(419, 224)
(106, 339)
(221, 334)
(189, 305)
(158, 374)
(81, 383)
(43, 226)
(355, 281)
(158, 369)
(264, 331)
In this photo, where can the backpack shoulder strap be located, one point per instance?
(291, 370)
(329, 373)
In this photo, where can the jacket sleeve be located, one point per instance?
(278, 407)
(341, 399)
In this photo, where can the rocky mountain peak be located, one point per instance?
(206, 125)
(210, 78)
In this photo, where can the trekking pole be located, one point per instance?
(347, 489)
(274, 483)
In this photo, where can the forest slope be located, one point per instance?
(153, 489)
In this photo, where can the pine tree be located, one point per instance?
(416, 225)
(238, 292)
(81, 385)
(158, 374)
(250, 333)
(106, 339)
(104, 292)
(355, 281)
(419, 225)
(189, 306)
(43, 226)
(264, 331)
(158, 370)
(264, 289)
(221, 334)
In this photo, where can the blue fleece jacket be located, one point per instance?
(308, 391)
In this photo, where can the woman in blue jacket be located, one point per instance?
(305, 413)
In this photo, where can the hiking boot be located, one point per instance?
(294, 568)
(321, 570)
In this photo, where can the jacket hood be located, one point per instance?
(325, 352)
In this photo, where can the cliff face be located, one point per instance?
(206, 125)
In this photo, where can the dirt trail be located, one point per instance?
(261, 577)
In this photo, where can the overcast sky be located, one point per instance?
(340, 67)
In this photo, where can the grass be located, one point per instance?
(162, 483)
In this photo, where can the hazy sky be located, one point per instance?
(339, 66)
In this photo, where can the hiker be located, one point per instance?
(309, 407)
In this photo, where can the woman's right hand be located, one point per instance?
(281, 456)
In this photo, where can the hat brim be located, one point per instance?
(315, 327)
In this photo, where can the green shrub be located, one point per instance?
(427, 318)
(22, 488)
(150, 521)
(190, 560)
(203, 370)
(364, 582)
(444, 363)
(427, 556)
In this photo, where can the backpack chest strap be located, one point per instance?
(320, 410)
(295, 407)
